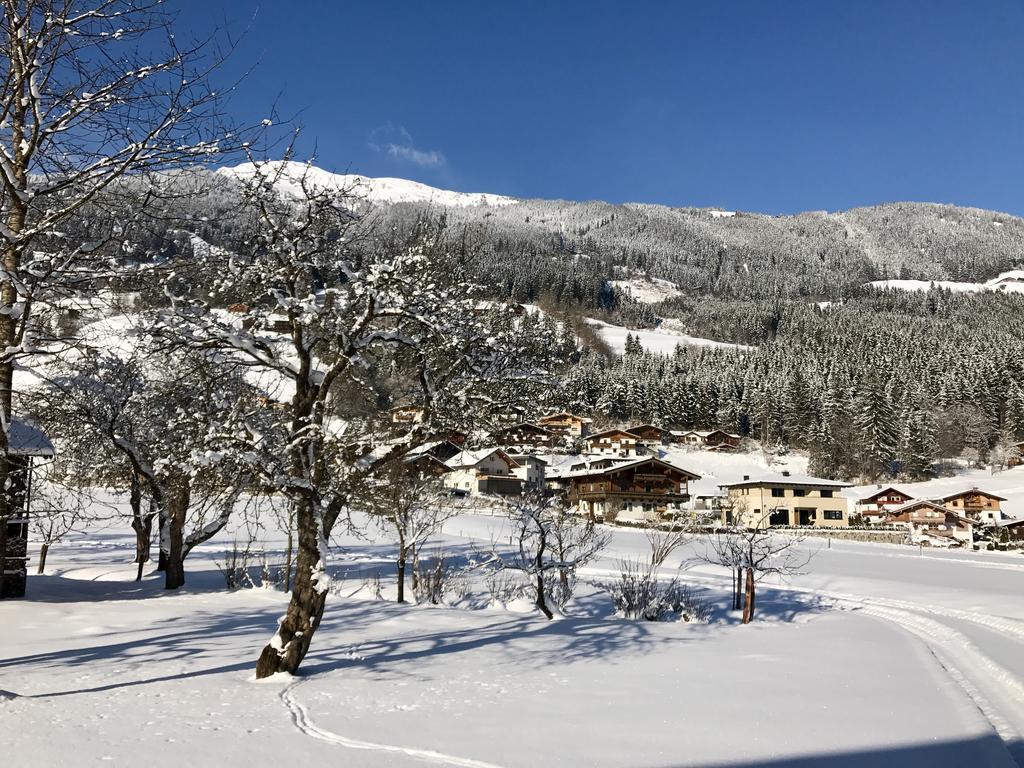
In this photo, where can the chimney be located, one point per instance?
(785, 473)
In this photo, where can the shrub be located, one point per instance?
(639, 594)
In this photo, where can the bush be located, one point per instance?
(639, 594)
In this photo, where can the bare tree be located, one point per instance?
(547, 540)
(752, 554)
(56, 512)
(664, 540)
(411, 506)
(91, 92)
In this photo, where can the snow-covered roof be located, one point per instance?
(617, 466)
(966, 491)
(472, 458)
(875, 494)
(777, 478)
(25, 439)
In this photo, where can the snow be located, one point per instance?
(373, 190)
(662, 339)
(1008, 282)
(876, 656)
(648, 290)
(722, 214)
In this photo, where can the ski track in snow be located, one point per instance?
(996, 691)
(303, 722)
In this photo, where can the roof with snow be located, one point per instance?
(778, 478)
(887, 489)
(26, 439)
(472, 458)
(967, 491)
(621, 465)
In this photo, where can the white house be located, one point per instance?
(487, 470)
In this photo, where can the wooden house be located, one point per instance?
(981, 506)
(524, 436)
(784, 499)
(1016, 457)
(714, 439)
(932, 521)
(874, 507)
(1014, 529)
(644, 490)
(565, 423)
(26, 443)
(406, 415)
(650, 434)
(612, 442)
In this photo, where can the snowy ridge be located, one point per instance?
(1007, 282)
(373, 190)
(662, 340)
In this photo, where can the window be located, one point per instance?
(826, 494)
(831, 514)
(778, 493)
(647, 487)
(799, 492)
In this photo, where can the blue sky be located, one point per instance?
(766, 106)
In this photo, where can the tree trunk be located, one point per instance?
(288, 648)
(401, 579)
(177, 499)
(542, 604)
(748, 603)
(43, 550)
(288, 559)
(161, 562)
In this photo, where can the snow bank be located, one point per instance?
(649, 290)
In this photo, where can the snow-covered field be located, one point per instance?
(649, 290)
(876, 656)
(1008, 282)
(662, 339)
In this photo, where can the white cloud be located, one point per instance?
(395, 141)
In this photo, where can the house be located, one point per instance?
(784, 499)
(875, 505)
(530, 470)
(981, 506)
(488, 470)
(557, 479)
(715, 439)
(612, 442)
(423, 465)
(565, 423)
(406, 414)
(1014, 529)
(1016, 457)
(524, 436)
(928, 519)
(646, 489)
(650, 434)
(26, 442)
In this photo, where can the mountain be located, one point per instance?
(374, 190)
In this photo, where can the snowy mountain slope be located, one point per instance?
(661, 340)
(1007, 282)
(373, 190)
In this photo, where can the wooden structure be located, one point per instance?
(926, 518)
(981, 506)
(650, 434)
(875, 506)
(524, 436)
(25, 443)
(565, 423)
(645, 490)
(612, 442)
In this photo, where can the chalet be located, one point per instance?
(715, 439)
(981, 506)
(650, 434)
(1016, 457)
(784, 499)
(612, 442)
(406, 414)
(439, 449)
(875, 505)
(489, 470)
(26, 442)
(423, 465)
(557, 479)
(524, 436)
(530, 471)
(646, 489)
(932, 521)
(565, 423)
